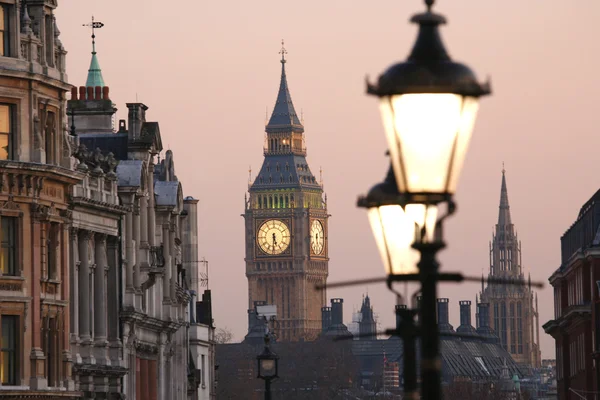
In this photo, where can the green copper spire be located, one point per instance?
(94, 77)
(94, 73)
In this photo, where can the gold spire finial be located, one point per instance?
(283, 51)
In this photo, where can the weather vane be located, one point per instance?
(283, 51)
(94, 25)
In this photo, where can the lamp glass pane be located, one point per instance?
(267, 366)
(394, 233)
(424, 136)
(467, 122)
(424, 216)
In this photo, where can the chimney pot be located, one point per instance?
(105, 91)
(98, 94)
(325, 318)
(337, 311)
(90, 93)
(73, 93)
(82, 93)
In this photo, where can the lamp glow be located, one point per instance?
(394, 232)
(428, 135)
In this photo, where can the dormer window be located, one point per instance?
(4, 31)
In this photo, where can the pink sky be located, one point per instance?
(208, 70)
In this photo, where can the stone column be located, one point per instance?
(151, 212)
(113, 289)
(173, 232)
(74, 271)
(162, 390)
(100, 331)
(167, 267)
(84, 295)
(37, 380)
(137, 277)
(129, 250)
(144, 222)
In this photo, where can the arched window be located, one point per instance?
(270, 202)
(259, 202)
(280, 201)
(287, 201)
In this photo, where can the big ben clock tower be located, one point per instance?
(286, 227)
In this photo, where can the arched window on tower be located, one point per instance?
(259, 202)
(270, 201)
(287, 201)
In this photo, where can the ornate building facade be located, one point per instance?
(286, 227)
(35, 182)
(513, 311)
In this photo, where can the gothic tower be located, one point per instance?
(512, 312)
(286, 227)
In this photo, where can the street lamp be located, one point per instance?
(267, 367)
(428, 106)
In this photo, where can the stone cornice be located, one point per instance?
(86, 202)
(23, 168)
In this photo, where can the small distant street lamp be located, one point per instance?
(428, 106)
(268, 364)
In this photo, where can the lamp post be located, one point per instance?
(267, 367)
(428, 106)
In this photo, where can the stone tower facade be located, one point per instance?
(512, 309)
(367, 325)
(286, 227)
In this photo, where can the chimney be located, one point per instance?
(484, 315)
(442, 314)
(337, 311)
(105, 91)
(98, 93)
(251, 319)
(325, 318)
(398, 316)
(465, 312)
(136, 117)
(73, 93)
(82, 93)
(90, 93)
(465, 317)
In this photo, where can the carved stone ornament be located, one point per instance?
(95, 160)
(10, 205)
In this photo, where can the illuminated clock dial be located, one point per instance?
(273, 237)
(317, 237)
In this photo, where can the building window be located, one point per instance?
(10, 347)
(519, 328)
(8, 254)
(6, 132)
(50, 348)
(4, 31)
(52, 251)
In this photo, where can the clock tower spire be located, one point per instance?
(286, 226)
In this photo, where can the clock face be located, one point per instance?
(273, 237)
(317, 237)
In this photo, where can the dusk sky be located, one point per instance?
(209, 70)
